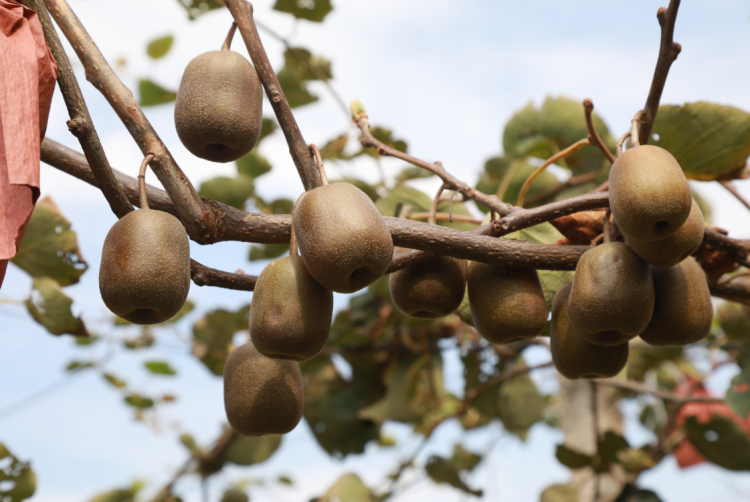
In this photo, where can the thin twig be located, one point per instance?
(205, 276)
(446, 217)
(594, 138)
(80, 123)
(242, 12)
(199, 220)
(450, 181)
(558, 156)
(228, 41)
(431, 218)
(730, 186)
(640, 388)
(668, 52)
(621, 142)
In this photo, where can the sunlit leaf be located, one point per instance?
(709, 140)
(235, 495)
(17, 480)
(495, 170)
(153, 94)
(312, 10)
(244, 450)
(195, 8)
(159, 47)
(50, 307)
(49, 247)
(113, 380)
(78, 365)
(559, 493)
(334, 149)
(301, 66)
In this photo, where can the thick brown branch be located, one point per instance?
(199, 221)
(735, 288)
(450, 181)
(242, 12)
(738, 247)
(594, 138)
(668, 52)
(80, 123)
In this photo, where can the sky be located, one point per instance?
(443, 75)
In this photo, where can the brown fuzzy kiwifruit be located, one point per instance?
(675, 248)
(431, 289)
(144, 274)
(262, 395)
(507, 305)
(683, 312)
(612, 295)
(219, 108)
(648, 193)
(573, 356)
(343, 240)
(290, 315)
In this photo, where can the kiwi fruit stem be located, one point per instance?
(621, 141)
(605, 227)
(319, 164)
(641, 117)
(228, 42)
(432, 218)
(142, 181)
(539, 170)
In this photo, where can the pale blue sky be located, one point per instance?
(445, 76)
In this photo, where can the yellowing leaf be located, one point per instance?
(49, 247)
(50, 307)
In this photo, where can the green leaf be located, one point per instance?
(520, 405)
(253, 165)
(153, 94)
(348, 488)
(212, 336)
(734, 321)
(115, 496)
(50, 307)
(312, 10)
(17, 480)
(113, 380)
(709, 141)
(573, 459)
(412, 173)
(334, 149)
(610, 446)
(78, 365)
(189, 442)
(559, 123)
(332, 405)
(83, 341)
(279, 206)
(267, 251)
(49, 247)
(721, 441)
(559, 493)
(442, 470)
(244, 450)
(268, 126)
(231, 191)
(235, 495)
(464, 460)
(195, 8)
(285, 480)
(400, 196)
(138, 401)
(160, 368)
(301, 66)
(632, 494)
(159, 47)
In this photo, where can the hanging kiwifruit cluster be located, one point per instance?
(650, 287)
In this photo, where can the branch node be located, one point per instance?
(77, 126)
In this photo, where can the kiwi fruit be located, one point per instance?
(573, 356)
(344, 242)
(612, 295)
(648, 193)
(290, 315)
(219, 108)
(262, 395)
(144, 275)
(507, 305)
(683, 312)
(675, 248)
(431, 289)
